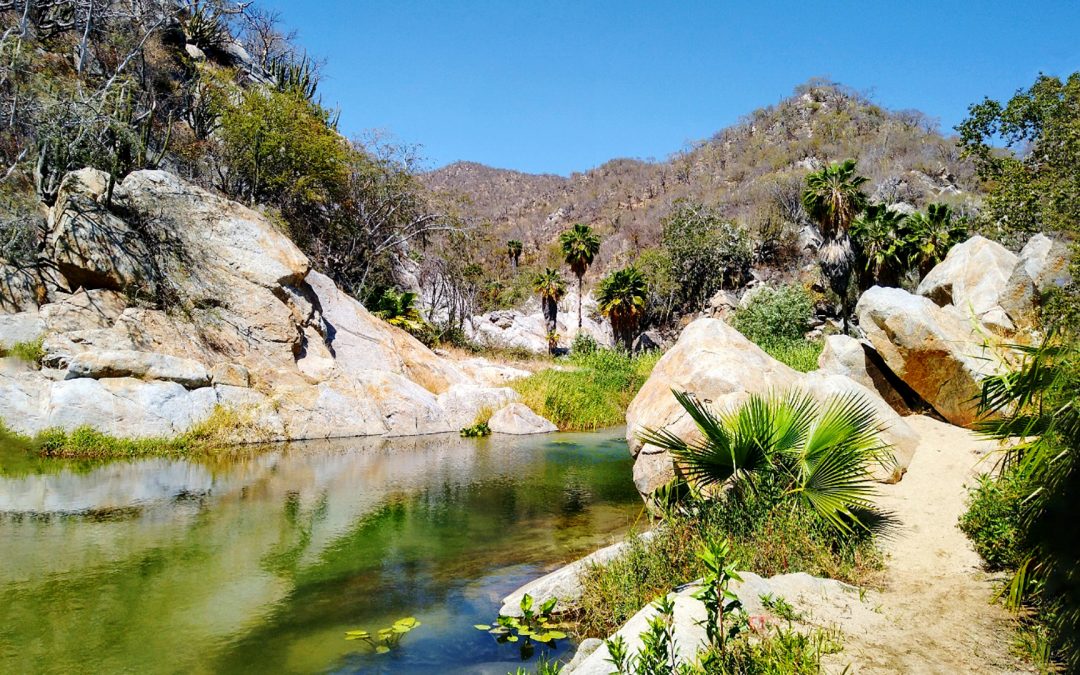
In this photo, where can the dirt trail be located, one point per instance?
(935, 601)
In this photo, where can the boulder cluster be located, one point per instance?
(929, 350)
(168, 302)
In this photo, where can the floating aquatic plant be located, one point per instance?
(384, 639)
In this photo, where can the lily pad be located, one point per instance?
(382, 649)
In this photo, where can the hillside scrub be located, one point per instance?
(588, 391)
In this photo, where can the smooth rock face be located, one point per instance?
(715, 362)
(934, 350)
(972, 278)
(844, 355)
(20, 327)
(143, 365)
(1043, 264)
(248, 326)
(519, 419)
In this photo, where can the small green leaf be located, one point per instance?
(358, 633)
(555, 635)
(526, 602)
(482, 626)
(548, 605)
(382, 649)
(511, 638)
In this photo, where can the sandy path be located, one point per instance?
(935, 600)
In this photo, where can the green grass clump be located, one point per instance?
(591, 392)
(31, 352)
(224, 427)
(768, 536)
(802, 355)
(781, 651)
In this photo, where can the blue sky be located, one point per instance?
(559, 86)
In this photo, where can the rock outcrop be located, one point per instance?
(525, 328)
(844, 355)
(174, 301)
(1001, 290)
(937, 351)
(716, 363)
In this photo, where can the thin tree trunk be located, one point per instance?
(579, 302)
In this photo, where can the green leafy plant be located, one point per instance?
(385, 639)
(780, 607)
(476, 431)
(706, 253)
(583, 344)
(397, 309)
(775, 315)
(823, 455)
(930, 235)
(657, 655)
(533, 626)
(622, 297)
(513, 252)
(549, 285)
(720, 602)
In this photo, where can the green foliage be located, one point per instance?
(1041, 461)
(707, 253)
(833, 197)
(621, 298)
(549, 284)
(780, 651)
(477, 430)
(767, 532)
(30, 352)
(224, 427)
(278, 146)
(397, 309)
(994, 519)
(894, 246)
(579, 246)
(823, 454)
(1037, 187)
(593, 394)
(583, 345)
(513, 251)
(775, 314)
(930, 235)
(721, 604)
(384, 639)
(802, 355)
(533, 626)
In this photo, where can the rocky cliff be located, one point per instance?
(169, 302)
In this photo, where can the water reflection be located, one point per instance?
(260, 563)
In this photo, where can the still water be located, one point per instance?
(259, 563)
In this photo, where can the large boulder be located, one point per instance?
(936, 351)
(722, 368)
(972, 278)
(143, 365)
(526, 328)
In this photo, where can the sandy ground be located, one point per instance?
(935, 600)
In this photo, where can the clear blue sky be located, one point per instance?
(560, 86)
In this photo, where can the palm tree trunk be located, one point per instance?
(579, 302)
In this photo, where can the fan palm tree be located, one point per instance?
(513, 251)
(931, 235)
(551, 287)
(1040, 404)
(822, 454)
(621, 298)
(833, 197)
(880, 234)
(579, 246)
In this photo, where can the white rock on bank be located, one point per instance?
(519, 419)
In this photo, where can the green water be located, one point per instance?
(259, 564)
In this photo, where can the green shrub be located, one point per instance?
(707, 252)
(768, 538)
(993, 519)
(775, 315)
(592, 393)
(583, 345)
